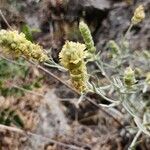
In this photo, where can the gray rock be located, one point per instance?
(97, 4)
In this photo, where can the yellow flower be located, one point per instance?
(72, 53)
(17, 45)
(72, 58)
(139, 15)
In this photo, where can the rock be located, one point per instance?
(117, 23)
(97, 4)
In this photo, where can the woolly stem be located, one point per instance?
(135, 140)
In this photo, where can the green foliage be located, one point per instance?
(10, 117)
(9, 70)
(8, 73)
(28, 32)
(12, 74)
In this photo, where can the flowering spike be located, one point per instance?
(129, 77)
(139, 15)
(17, 45)
(72, 58)
(87, 37)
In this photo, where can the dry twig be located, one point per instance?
(22, 132)
(5, 20)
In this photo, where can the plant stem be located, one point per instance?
(28, 91)
(80, 98)
(100, 67)
(3, 17)
(134, 140)
(70, 87)
(126, 34)
(74, 90)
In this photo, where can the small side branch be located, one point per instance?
(3, 17)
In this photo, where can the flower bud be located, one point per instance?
(113, 46)
(129, 77)
(139, 15)
(87, 37)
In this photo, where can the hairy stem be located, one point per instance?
(135, 140)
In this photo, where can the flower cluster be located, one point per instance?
(72, 58)
(113, 46)
(129, 77)
(87, 37)
(17, 45)
(139, 15)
